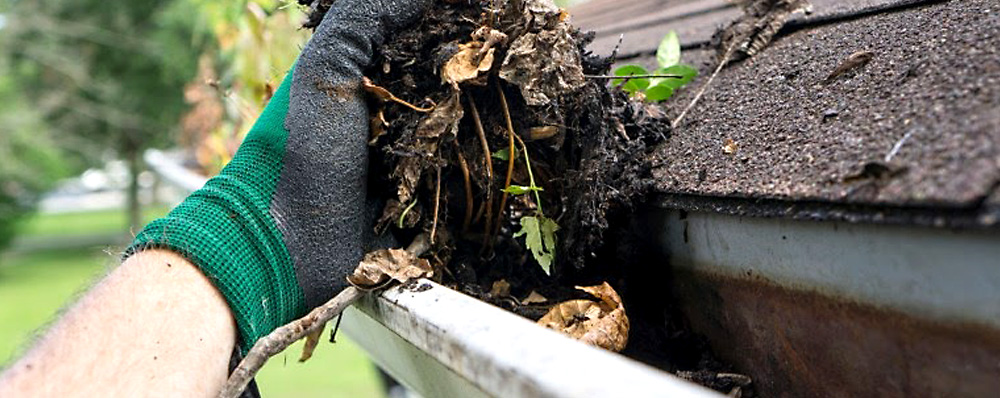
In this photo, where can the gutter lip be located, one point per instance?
(502, 354)
(979, 215)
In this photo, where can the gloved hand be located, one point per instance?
(279, 229)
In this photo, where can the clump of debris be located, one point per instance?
(491, 134)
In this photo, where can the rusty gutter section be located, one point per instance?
(829, 309)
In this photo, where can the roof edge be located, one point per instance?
(980, 216)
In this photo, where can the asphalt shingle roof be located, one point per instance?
(917, 127)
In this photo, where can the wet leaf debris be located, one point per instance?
(488, 137)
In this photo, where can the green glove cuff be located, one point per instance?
(227, 230)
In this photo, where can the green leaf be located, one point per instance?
(632, 85)
(669, 51)
(686, 71)
(659, 92)
(540, 237)
(549, 228)
(503, 154)
(520, 189)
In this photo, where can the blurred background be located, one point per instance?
(87, 89)
(100, 104)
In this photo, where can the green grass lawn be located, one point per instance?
(34, 286)
(85, 223)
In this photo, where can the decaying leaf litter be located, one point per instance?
(499, 147)
(489, 138)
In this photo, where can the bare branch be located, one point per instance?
(283, 337)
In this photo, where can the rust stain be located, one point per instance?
(801, 344)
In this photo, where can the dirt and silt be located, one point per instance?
(494, 132)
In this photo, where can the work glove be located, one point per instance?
(284, 223)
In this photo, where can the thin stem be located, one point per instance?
(385, 95)
(437, 203)
(468, 186)
(531, 177)
(629, 77)
(510, 161)
(487, 159)
(402, 215)
(482, 141)
(336, 327)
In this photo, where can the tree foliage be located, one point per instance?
(88, 80)
(82, 81)
(256, 43)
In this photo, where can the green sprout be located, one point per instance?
(656, 89)
(539, 231)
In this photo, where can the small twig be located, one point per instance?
(468, 186)
(482, 141)
(488, 160)
(283, 337)
(704, 87)
(510, 158)
(629, 77)
(385, 95)
(437, 203)
(899, 145)
(336, 327)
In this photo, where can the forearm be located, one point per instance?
(154, 326)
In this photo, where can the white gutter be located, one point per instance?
(441, 343)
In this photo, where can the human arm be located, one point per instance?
(155, 324)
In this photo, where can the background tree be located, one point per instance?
(29, 159)
(104, 77)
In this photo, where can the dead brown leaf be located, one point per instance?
(853, 61)
(382, 266)
(534, 298)
(443, 121)
(729, 147)
(603, 323)
(545, 65)
(541, 13)
(500, 288)
(470, 60)
(378, 125)
(542, 132)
